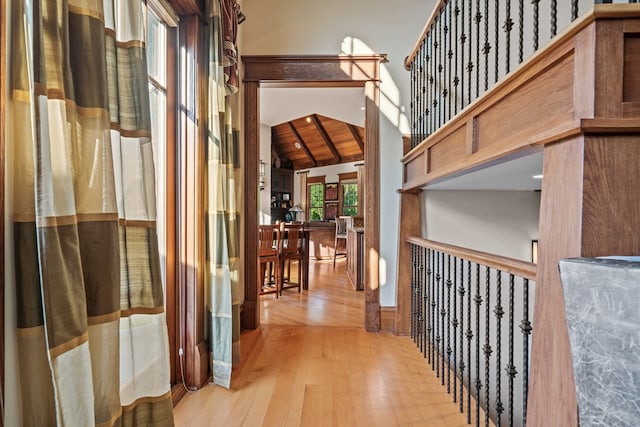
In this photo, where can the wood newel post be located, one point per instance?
(410, 223)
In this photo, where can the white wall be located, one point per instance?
(498, 222)
(264, 204)
(355, 26)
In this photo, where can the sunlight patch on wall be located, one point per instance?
(390, 99)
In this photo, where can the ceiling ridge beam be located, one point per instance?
(326, 138)
(356, 136)
(304, 146)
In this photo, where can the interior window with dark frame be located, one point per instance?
(349, 192)
(315, 195)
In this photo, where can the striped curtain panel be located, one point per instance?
(92, 336)
(222, 194)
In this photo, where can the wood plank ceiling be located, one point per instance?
(316, 140)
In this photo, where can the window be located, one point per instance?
(349, 192)
(315, 198)
(157, 69)
(316, 202)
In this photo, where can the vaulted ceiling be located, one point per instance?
(317, 140)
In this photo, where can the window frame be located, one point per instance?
(311, 181)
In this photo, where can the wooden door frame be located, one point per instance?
(313, 71)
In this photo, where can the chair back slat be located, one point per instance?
(292, 239)
(268, 239)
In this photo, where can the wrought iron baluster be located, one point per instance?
(412, 286)
(486, 48)
(478, 21)
(455, 332)
(487, 347)
(443, 312)
(525, 327)
(520, 31)
(469, 339)
(412, 105)
(554, 17)
(461, 291)
(470, 64)
(448, 32)
(433, 80)
(499, 312)
(436, 314)
(446, 315)
(536, 23)
(425, 304)
(426, 90)
(456, 78)
(478, 300)
(508, 25)
(420, 292)
(574, 10)
(440, 79)
(497, 39)
(434, 262)
(511, 369)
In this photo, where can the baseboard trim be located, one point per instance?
(387, 319)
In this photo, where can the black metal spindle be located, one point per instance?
(440, 78)
(536, 24)
(478, 21)
(508, 25)
(511, 369)
(499, 312)
(427, 87)
(469, 339)
(449, 60)
(426, 302)
(470, 35)
(486, 47)
(447, 315)
(487, 346)
(419, 297)
(525, 327)
(432, 308)
(554, 17)
(478, 300)
(461, 291)
(456, 78)
(574, 10)
(411, 290)
(443, 320)
(520, 31)
(455, 332)
(433, 80)
(436, 314)
(497, 40)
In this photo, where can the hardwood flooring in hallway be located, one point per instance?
(311, 363)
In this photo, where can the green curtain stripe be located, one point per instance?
(28, 294)
(87, 61)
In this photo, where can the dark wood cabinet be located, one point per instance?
(281, 193)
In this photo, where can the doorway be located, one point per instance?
(313, 71)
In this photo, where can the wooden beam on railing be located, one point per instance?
(513, 266)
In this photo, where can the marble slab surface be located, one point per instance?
(602, 300)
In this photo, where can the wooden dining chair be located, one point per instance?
(291, 250)
(343, 223)
(269, 243)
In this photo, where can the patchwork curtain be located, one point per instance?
(222, 194)
(92, 337)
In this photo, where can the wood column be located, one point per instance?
(3, 88)
(409, 226)
(251, 311)
(372, 208)
(588, 208)
(191, 210)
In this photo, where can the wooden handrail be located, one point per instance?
(409, 59)
(516, 267)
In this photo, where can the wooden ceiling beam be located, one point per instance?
(356, 136)
(327, 139)
(304, 146)
(275, 144)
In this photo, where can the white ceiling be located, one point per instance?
(515, 174)
(278, 104)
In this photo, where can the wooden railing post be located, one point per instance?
(409, 226)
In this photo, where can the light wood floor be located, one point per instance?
(312, 364)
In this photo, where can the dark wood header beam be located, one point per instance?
(302, 68)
